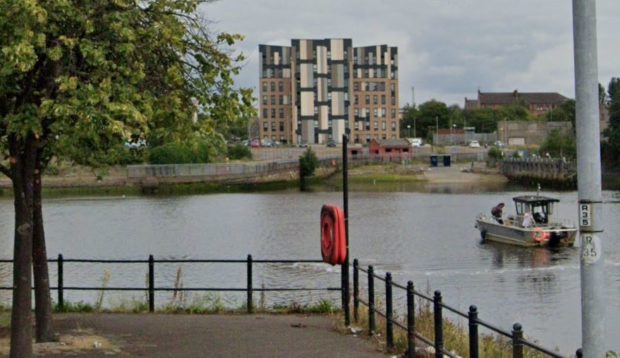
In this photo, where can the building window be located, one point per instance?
(273, 113)
(367, 101)
(281, 100)
(264, 86)
(273, 100)
(273, 126)
(376, 125)
(357, 111)
(383, 126)
(394, 126)
(281, 112)
(281, 86)
(393, 101)
(281, 126)
(375, 99)
(382, 99)
(375, 112)
(356, 86)
(273, 86)
(264, 99)
(265, 126)
(393, 113)
(382, 112)
(265, 113)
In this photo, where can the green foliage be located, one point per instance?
(558, 144)
(496, 153)
(180, 153)
(308, 163)
(565, 112)
(78, 307)
(239, 151)
(613, 131)
(82, 77)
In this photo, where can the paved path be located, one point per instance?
(162, 335)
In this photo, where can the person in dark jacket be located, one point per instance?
(497, 212)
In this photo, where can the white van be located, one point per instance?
(415, 142)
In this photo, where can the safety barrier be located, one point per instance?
(151, 288)
(516, 336)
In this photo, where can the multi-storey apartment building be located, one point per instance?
(314, 90)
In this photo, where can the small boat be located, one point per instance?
(541, 228)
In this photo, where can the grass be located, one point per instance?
(456, 337)
(5, 317)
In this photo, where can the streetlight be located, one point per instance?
(409, 130)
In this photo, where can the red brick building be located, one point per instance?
(536, 102)
(389, 147)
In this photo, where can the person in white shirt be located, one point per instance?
(528, 220)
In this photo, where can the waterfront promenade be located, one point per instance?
(225, 335)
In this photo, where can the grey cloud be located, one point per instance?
(447, 48)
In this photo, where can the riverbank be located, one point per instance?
(411, 176)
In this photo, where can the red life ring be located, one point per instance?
(333, 236)
(539, 235)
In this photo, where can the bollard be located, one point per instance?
(473, 331)
(410, 321)
(371, 300)
(437, 308)
(151, 284)
(389, 315)
(61, 295)
(250, 300)
(356, 290)
(517, 344)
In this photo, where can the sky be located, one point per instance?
(448, 49)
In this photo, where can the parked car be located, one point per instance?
(498, 143)
(474, 144)
(415, 142)
(255, 143)
(302, 145)
(331, 143)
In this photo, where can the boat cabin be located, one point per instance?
(540, 207)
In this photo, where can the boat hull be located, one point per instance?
(556, 235)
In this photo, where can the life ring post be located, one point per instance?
(345, 198)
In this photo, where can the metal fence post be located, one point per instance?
(371, 300)
(250, 300)
(356, 290)
(517, 344)
(410, 321)
(473, 331)
(151, 284)
(437, 308)
(61, 295)
(389, 324)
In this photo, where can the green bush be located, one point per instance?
(496, 153)
(559, 145)
(308, 163)
(180, 153)
(239, 151)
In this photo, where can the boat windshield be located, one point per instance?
(540, 210)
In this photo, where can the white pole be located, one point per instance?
(589, 179)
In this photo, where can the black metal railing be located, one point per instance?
(516, 336)
(150, 289)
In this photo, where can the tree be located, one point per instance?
(558, 144)
(564, 112)
(483, 119)
(78, 79)
(613, 131)
(431, 114)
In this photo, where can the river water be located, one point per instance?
(427, 237)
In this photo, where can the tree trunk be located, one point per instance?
(22, 165)
(43, 301)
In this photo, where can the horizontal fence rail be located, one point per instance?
(151, 288)
(438, 307)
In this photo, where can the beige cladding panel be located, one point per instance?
(338, 75)
(305, 51)
(338, 127)
(323, 117)
(307, 77)
(322, 89)
(338, 103)
(307, 103)
(321, 59)
(276, 58)
(378, 54)
(337, 49)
